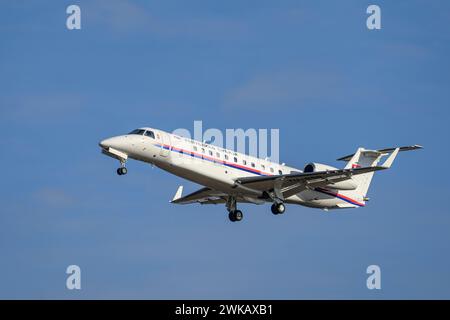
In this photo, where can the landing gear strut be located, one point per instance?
(278, 208)
(233, 213)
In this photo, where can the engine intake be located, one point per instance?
(349, 184)
(314, 167)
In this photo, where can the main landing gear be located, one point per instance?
(278, 208)
(233, 213)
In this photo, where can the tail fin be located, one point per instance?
(369, 158)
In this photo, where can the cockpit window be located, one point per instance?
(150, 134)
(137, 131)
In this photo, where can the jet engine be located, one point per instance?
(314, 167)
(349, 184)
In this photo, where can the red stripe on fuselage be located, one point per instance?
(340, 196)
(203, 156)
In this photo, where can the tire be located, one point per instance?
(238, 216)
(274, 209)
(119, 172)
(278, 208)
(231, 216)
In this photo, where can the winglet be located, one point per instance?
(388, 163)
(178, 194)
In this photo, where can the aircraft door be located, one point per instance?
(165, 144)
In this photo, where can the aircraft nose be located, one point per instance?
(118, 143)
(105, 143)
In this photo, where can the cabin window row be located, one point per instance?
(235, 159)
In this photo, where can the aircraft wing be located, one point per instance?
(209, 196)
(287, 185)
(290, 184)
(203, 196)
(283, 186)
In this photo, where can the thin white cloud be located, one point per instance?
(40, 107)
(117, 15)
(285, 89)
(129, 17)
(53, 197)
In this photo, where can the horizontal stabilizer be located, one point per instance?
(384, 151)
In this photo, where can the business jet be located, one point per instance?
(230, 177)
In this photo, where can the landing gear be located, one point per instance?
(122, 171)
(235, 215)
(278, 208)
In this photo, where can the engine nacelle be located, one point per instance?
(341, 185)
(314, 167)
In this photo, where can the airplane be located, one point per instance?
(229, 177)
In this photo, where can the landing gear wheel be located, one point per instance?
(238, 216)
(235, 215)
(122, 171)
(278, 208)
(281, 208)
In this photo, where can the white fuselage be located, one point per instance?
(212, 166)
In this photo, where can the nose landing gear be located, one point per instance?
(121, 171)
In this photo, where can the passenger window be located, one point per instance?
(195, 148)
(280, 172)
(218, 155)
(263, 167)
(203, 150)
(253, 164)
(244, 162)
(271, 169)
(235, 159)
(226, 157)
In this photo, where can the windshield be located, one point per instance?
(137, 131)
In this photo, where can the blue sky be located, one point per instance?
(310, 68)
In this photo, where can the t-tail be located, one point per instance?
(368, 158)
